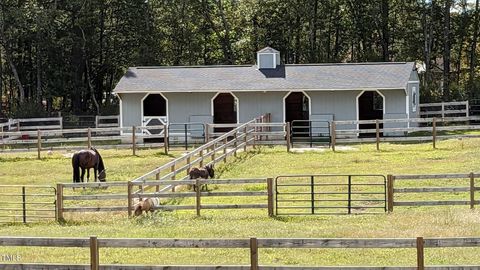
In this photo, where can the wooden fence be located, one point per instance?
(444, 109)
(258, 131)
(402, 130)
(469, 189)
(121, 196)
(102, 121)
(60, 139)
(198, 195)
(254, 245)
(212, 152)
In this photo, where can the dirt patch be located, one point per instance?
(323, 149)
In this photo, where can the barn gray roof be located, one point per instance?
(283, 78)
(268, 50)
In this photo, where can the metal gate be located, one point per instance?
(330, 194)
(309, 132)
(186, 134)
(27, 203)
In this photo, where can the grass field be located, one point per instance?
(453, 156)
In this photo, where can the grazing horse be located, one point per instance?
(147, 205)
(87, 159)
(202, 172)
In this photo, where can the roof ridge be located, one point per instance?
(197, 66)
(288, 65)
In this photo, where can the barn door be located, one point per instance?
(154, 121)
(154, 113)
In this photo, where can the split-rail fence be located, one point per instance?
(254, 245)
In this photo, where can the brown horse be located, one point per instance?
(202, 172)
(86, 159)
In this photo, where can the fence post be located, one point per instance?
(157, 177)
(134, 143)
(289, 142)
(225, 150)
(420, 254)
(94, 256)
(390, 193)
(197, 195)
(59, 202)
(333, 135)
(172, 169)
(377, 127)
(89, 138)
(24, 205)
(213, 152)
(235, 144)
(129, 198)
(185, 130)
(443, 110)
(270, 196)
(246, 140)
(312, 193)
(349, 194)
(39, 144)
(472, 190)
(434, 132)
(165, 139)
(253, 254)
(207, 133)
(467, 108)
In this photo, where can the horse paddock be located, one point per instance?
(452, 156)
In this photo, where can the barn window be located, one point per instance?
(414, 99)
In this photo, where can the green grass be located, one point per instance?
(25, 168)
(453, 156)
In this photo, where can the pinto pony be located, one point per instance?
(202, 172)
(147, 205)
(87, 159)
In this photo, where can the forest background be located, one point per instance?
(67, 55)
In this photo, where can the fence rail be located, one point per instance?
(27, 203)
(211, 152)
(443, 109)
(253, 244)
(258, 131)
(198, 194)
(469, 190)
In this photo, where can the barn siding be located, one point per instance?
(131, 109)
(342, 104)
(182, 107)
(254, 104)
(338, 105)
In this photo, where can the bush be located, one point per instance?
(28, 109)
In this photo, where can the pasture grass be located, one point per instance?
(452, 156)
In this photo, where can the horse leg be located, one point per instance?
(95, 173)
(83, 174)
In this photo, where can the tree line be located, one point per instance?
(67, 55)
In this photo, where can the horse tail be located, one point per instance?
(76, 168)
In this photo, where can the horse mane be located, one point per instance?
(210, 170)
(101, 166)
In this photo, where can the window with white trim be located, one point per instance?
(414, 98)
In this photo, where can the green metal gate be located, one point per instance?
(28, 203)
(330, 194)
